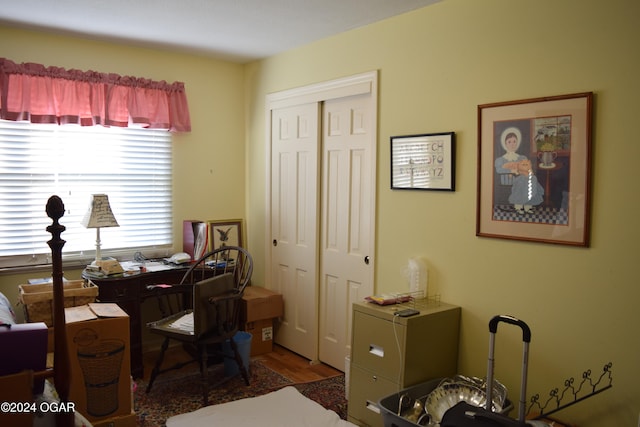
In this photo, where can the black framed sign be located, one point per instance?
(423, 162)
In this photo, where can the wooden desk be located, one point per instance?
(129, 292)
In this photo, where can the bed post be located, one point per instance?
(61, 370)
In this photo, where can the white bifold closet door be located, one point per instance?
(322, 215)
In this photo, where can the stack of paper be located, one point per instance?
(184, 323)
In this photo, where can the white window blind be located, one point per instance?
(131, 165)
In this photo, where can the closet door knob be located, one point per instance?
(366, 259)
(275, 242)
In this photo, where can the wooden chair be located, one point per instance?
(218, 279)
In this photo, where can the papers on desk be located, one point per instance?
(157, 266)
(149, 266)
(184, 323)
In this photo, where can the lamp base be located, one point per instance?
(106, 266)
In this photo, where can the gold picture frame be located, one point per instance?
(534, 167)
(226, 232)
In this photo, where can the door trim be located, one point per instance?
(347, 86)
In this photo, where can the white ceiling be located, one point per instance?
(235, 30)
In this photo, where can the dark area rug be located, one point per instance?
(179, 392)
(328, 393)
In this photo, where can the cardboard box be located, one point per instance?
(100, 363)
(262, 336)
(16, 388)
(24, 347)
(38, 299)
(260, 303)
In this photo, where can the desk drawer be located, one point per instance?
(116, 292)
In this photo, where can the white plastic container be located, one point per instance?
(417, 275)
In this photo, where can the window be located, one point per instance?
(131, 165)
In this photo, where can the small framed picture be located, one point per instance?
(534, 167)
(423, 162)
(226, 232)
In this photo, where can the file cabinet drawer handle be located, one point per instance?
(373, 407)
(376, 350)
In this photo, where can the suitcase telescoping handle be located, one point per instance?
(493, 325)
(526, 338)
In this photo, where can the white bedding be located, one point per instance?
(283, 408)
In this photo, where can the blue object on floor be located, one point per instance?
(243, 341)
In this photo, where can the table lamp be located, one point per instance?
(100, 215)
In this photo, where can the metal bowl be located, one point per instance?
(447, 395)
(499, 390)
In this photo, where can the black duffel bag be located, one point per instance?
(463, 414)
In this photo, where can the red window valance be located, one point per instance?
(39, 94)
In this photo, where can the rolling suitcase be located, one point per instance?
(464, 414)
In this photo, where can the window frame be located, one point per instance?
(131, 165)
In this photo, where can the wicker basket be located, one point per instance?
(38, 299)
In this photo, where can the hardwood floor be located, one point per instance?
(287, 363)
(295, 367)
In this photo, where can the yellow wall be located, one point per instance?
(209, 162)
(436, 65)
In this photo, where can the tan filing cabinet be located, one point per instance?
(390, 353)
